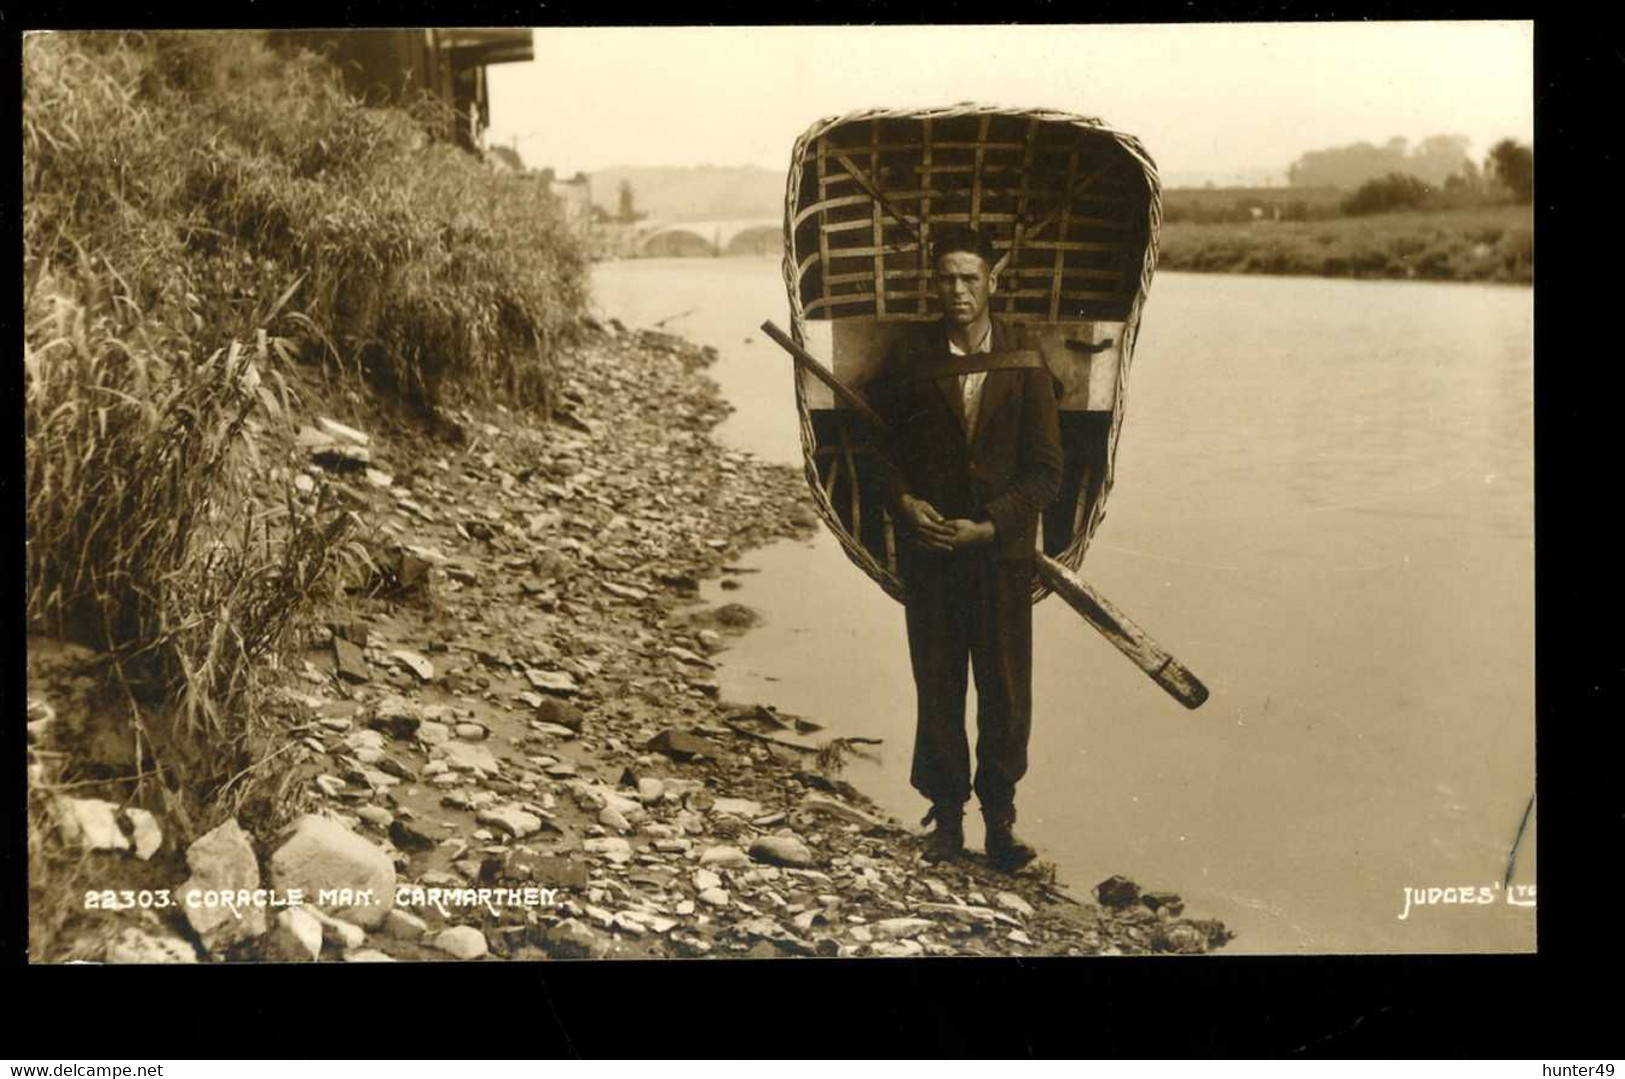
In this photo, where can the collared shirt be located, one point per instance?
(970, 386)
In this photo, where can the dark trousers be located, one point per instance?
(965, 606)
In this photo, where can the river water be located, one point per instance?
(1324, 507)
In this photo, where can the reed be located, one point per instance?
(206, 224)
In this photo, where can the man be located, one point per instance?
(974, 456)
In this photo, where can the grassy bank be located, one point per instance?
(209, 226)
(1489, 244)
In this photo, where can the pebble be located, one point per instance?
(146, 835)
(404, 925)
(415, 663)
(223, 860)
(338, 931)
(1013, 902)
(511, 819)
(782, 850)
(614, 848)
(462, 941)
(725, 857)
(90, 824)
(321, 853)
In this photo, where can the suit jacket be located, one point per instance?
(1007, 473)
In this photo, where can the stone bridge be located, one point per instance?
(737, 236)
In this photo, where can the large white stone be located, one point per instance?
(900, 928)
(782, 850)
(462, 941)
(726, 857)
(91, 824)
(320, 853)
(148, 835)
(511, 819)
(296, 937)
(342, 433)
(470, 757)
(222, 861)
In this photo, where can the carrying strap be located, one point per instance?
(924, 366)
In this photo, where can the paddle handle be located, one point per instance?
(809, 363)
(1173, 676)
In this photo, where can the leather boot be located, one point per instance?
(1005, 852)
(947, 842)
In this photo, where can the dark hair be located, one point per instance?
(959, 238)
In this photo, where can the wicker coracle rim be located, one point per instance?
(1073, 555)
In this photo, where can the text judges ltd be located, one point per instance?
(406, 895)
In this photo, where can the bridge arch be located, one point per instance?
(690, 238)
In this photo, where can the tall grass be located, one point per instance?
(201, 214)
(229, 173)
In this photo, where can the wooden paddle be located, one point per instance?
(1130, 639)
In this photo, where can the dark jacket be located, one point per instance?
(1009, 471)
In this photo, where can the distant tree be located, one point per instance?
(1396, 191)
(628, 212)
(1512, 165)
(1466, 179)
(1434, 159)
(1439, 157)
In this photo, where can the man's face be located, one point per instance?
(964, 284)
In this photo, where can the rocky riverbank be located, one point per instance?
(511, 744)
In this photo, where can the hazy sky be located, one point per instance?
(1204, 98)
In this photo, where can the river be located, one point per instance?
(1324, 507)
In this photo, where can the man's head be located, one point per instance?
(962, 263)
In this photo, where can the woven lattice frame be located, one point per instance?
(796, 262)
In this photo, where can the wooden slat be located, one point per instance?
(1060, 255)
(867, 299)
(912, 274)
(910, 147)
(863, 200)
(834, 471)
(838, 253)
(1075, 245)
(1021, 206)
(826, 205)
(880, 243)
(888, 249)
(855, 501)
(847, 226)
(987, 218)
(925, 221)
(976, 176)
(823, 219)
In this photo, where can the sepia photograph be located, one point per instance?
(794, 492)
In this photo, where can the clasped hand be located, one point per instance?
(944, 533)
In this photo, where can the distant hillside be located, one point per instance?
(704, 192)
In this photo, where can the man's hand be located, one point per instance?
(944, 534)
(929, 526)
